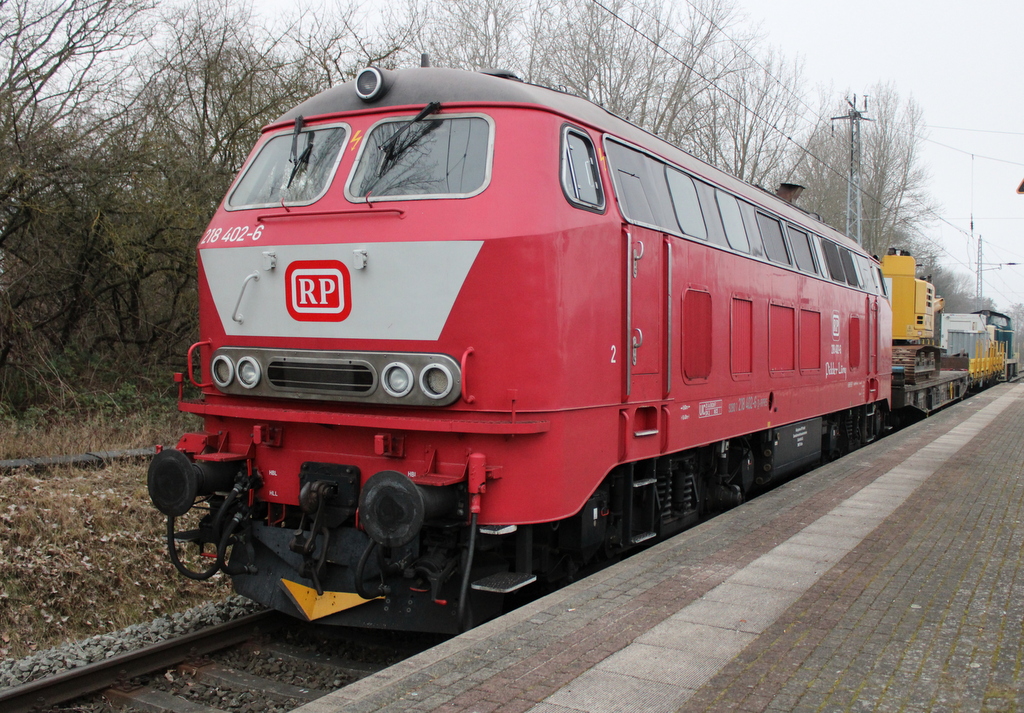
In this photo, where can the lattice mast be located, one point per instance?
(854, 202)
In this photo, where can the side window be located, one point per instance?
(641, 187)
(851, 270)
(753, 232)
(867, 275)
(774, 244)
(686, 204)
(631, 190)
(801, 245)
(832, 259)
(733, 221)
(580, 178)
(706, 196)
(819, 255)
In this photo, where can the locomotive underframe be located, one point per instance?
(451, 576)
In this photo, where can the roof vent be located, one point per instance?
(503, 73)
(789, 192)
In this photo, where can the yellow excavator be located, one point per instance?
(915, 315)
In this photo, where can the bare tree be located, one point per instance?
(58, 59)
(754, 112)
(476, 34)
(107, 179)
(895, 201)
(214, 80)
(335, 40)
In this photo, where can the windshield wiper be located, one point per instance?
(388, 147)
(302, 160)
(393, 150)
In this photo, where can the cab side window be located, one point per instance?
(581, 179)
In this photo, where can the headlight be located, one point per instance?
(397, 379)
(370, 84)
(436, 381)
(223, 371)
(249, 372)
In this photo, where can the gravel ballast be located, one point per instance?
(14, 672)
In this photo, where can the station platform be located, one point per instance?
(889, 580)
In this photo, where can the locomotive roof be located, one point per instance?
(419, 87)
(424, 85)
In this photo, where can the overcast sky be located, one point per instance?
(961, 62)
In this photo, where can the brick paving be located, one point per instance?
(884, 581)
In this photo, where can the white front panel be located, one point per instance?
(401, 291)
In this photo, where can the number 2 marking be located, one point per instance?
(613, 354)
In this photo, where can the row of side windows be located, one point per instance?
(658, 195)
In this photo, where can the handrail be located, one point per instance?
(323, 213)
(252, 276)
(465, 396)
(189, 363)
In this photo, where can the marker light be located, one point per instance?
(223, 371)
(436, 381)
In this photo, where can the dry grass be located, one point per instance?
(48, 434)
(83, 551)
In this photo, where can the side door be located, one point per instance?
(643, 339)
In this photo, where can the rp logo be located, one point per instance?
(318, 291)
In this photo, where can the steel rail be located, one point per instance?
(94, 677)
(95, 458)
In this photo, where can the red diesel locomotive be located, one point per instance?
(460, 333)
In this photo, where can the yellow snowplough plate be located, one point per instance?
(316, 606)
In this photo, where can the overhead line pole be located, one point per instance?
(979, 288)
(854, 205)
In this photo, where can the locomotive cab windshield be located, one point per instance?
(447, 157)
(283, 174)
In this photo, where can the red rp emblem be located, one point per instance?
(318, 291)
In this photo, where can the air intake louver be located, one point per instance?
(335, 378)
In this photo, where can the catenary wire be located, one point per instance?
(819, 118)
(766, 121)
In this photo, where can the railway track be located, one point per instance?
(95, 677)
(240, 666)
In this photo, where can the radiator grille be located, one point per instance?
(322, 377)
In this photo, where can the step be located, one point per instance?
(644, 483)
(504, 582)
(642, 537)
